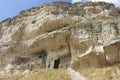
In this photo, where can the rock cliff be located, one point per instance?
(79, 35)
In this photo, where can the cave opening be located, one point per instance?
(56, 63)
(20, 60)
(43, 57)
(40, 56)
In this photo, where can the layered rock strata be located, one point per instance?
(79, 35)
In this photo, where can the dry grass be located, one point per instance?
(108, 73)
(56, 74)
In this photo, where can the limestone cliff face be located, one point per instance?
(81, 35)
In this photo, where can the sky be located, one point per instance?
(11, 8)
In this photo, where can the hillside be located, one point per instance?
(79, 35)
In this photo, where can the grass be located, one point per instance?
(108, 73)
(51, 74)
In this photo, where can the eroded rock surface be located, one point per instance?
(79, 34)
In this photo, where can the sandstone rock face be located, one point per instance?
(79, 35)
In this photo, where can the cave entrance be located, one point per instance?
(56, 63)
(41, 57)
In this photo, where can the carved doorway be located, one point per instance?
(56, 63)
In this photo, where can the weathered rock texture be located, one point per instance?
(83, 34)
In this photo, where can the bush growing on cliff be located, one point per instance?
(33, 22)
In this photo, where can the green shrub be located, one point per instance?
(33, 22)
